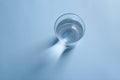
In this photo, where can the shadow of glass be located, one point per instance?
(52, 54)
(39, 60)
(64, 59)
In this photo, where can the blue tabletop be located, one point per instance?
(29, 48)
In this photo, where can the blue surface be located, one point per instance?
(27, 40)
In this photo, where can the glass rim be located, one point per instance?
(73, 17)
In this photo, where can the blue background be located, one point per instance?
(27, 36)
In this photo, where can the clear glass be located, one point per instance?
(69, 28)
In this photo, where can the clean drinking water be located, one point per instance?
(69, 31)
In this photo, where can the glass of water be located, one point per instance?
(69, 28)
